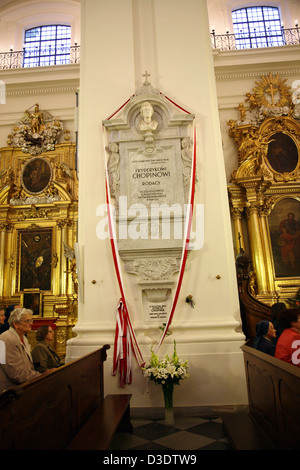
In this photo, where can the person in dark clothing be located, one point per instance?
(2, 315)
(265, 332)
(8, 310)
(43, 355)
(275, 310)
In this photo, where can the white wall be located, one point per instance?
(54, 88)
(17, 16)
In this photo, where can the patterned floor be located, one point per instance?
(188, 433)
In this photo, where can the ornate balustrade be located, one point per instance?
(15, 59)
(229, 41)
(224, 42)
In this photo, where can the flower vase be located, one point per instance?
(168, 388)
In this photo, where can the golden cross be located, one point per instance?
(271, 91)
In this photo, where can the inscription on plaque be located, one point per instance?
(151, 180)
(157, 312)
(156, 179)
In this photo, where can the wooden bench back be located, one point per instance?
(45, 413)
(274, 397)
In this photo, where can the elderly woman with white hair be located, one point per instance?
(18, 366)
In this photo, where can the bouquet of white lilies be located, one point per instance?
(170, 369)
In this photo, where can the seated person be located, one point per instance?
(275, 310)
(43, 355)
(18, 366)
(265, 333)
(4, 326)
(2, 315)
(288, 344)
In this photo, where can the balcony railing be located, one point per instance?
(225, 42)
(15, 59)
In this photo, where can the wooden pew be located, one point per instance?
(273, 421)
(53, 411)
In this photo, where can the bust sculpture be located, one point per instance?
(147, 123)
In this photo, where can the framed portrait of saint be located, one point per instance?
(284, 225)
(36, 175)
(282, 153)
(35, 259)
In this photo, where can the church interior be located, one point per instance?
(110, 110)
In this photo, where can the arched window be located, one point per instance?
(47, 45)
(257, 27)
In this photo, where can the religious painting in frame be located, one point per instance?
(36, 175)
(282, 153)
(35, 259)
(284, 226)
(32, 299)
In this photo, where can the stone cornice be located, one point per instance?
(42, 90)
(252, 63)
(41, 80)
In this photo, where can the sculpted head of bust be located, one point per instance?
(147, 123)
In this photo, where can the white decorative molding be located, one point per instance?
(153, 268)
(254, 63)
(40, 91)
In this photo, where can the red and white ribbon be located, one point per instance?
(125, 338)
(185, 248)
(122, 359)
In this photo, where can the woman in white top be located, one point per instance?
(18, 366)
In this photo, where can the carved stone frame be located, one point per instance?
(130, 140)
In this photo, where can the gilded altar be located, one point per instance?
(38, 223)
(264, 190)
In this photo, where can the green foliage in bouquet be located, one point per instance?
(171, 369)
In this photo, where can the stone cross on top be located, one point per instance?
(146, 74)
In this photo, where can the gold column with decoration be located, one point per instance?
(267, 250)
(266, 185)
(257, 253)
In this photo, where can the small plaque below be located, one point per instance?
(156, 312)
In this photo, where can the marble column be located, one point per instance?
(121, 39)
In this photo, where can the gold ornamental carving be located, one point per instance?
(36, 132)
(265, 186)
(38, 215)
(33, 213)
(271, 91)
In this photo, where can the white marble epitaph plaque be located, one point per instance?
(157, 310)
(152, 180)
(149, 168)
